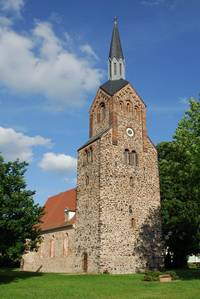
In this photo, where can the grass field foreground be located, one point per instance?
(26, 285)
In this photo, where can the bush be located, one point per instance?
(154, 275)
(194, 265)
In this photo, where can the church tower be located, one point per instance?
(118, 227)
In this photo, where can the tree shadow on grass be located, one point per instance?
(8, 275)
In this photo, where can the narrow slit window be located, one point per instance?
(120, 69)
(115, 68)
(91, 154)
(121, 106)
(131, 182)
(133, 223)
(87, 154)
(87, 180)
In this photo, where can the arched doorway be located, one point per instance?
(85, 262)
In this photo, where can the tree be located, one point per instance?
(19, 215)
(179, 166)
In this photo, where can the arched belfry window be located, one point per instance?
(128, 107)
(102, 111)
(126, 156)
(130, 158)
(89, 155)
(121, 106)
(133, 159)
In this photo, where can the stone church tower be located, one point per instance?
(118, 227)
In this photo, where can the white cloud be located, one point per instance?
(5, 22)
(183, 101)
(58, 162)
(12, 5)
(70, 180)
(152, 2)
(171, 4)
(40, 63)
(15, 145)
(87, 49)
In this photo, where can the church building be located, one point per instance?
(111, 222)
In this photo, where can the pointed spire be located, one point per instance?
(116, 63)
(115, 46)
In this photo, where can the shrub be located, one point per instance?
(154, 275)
(194, 265)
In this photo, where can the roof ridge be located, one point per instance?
(75, 188)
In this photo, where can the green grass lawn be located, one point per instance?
(25, 285)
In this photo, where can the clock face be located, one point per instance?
(130, 132)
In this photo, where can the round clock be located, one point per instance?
(130, 132)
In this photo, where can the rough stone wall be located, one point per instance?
(130, 236)
(87, 215)
(121, 232)
(129, 220)
(55, 254)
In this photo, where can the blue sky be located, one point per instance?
(53, 57)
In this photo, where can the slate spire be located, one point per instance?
(116, 62)
(115, 46)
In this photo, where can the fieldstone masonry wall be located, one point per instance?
(88, 211)
(122, 231)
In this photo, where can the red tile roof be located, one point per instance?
(54, 209)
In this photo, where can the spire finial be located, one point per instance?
(115, 20)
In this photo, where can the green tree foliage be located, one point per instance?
(179, 166)
(19, 215)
